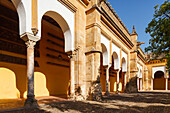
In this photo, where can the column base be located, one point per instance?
(117, 92)
(96, 91)
(30, 102)
(107, 93)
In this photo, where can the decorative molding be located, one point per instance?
(108, 20)
(93, 25)
(84, 2)
(156, 61)
(34, 31)
(69, 5)
(115, 14)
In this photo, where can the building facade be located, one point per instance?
(67, 48)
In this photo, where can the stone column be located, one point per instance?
(30, 101)
(138, 83)
(118, 81)
(72, 76)
(125, 80)
(152, 83)
(166, 88)
(107, 81)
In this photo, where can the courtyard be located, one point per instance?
(142, 102)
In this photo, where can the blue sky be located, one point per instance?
(138, 13)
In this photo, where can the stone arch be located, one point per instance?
(159, 80)
(105, 55)
(159, 74)
(124, 65)
(8, 84)
(116, 60)
(141, 74)
(155, 69)
(62, 15)
(53, 60)
(140, 79)
(24, 13)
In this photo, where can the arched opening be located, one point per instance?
(140, 80)
(12, 50)
(122, 76)
(53, 61)
(159, 81)
(116, 60)
(64, 23)
(113, 73)
(103, 64)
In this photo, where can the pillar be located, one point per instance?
(107, 81)
(125, 80)
(72, 75)
(166, 88)
(93, 52)
(118, 81)
(167, 76)
(138, 84)
(152, 83)
(30, 101)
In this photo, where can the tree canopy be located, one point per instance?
(159, 30)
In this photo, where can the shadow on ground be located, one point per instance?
(122, 103)
(154, 97)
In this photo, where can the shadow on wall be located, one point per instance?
(8, 87)
(39, 85)
(131, 86)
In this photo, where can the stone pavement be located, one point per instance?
(7, 104)
(143, 102)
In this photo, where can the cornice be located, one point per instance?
(93, 25)
(141, 56)
(115, 14)
(107, 20)
(69, 5)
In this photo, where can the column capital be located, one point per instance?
(30, 44)
(117, 70)
(72, 55)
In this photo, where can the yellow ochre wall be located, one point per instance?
(13, 80)
(103, 81)
(8, 87)
(49, 79)
(57, 77)
(113, 84)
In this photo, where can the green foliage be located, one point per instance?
(159, 30)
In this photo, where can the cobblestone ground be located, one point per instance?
(121, 103)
